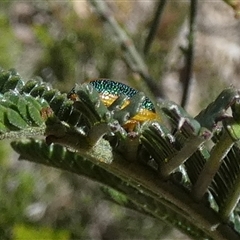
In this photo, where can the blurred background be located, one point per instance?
(65, 42)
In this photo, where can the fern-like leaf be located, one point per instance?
(156, 166)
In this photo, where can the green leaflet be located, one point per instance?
(4, 76)
(29, 86)
(11, 119)
(15, 119)
(34, 107)
(13, 83)
(22, 108)
(38, 89)
(10, 80)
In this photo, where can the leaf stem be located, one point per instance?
(25, 133)
(189, 55)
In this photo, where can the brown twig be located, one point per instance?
(189, 55)
(155, 25)
(130, 53)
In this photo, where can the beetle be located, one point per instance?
(109, 91)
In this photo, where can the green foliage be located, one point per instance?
(8, 41)
(15, 197)
(161, 151)
(22, 232)
(18, 111)
(156, 168)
